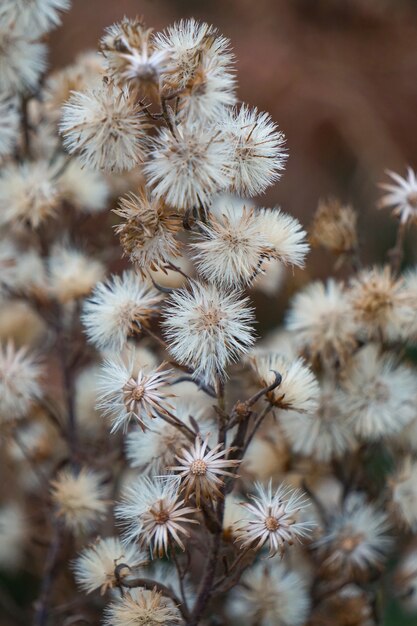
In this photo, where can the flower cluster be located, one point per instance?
(163, 461)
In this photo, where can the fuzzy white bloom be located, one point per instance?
(401, 196)
(298, 390)
(187, 168)
(131, 56)
(273, 518)
(206, 329)
(21, 61)
(13, 534)
(271, 595)
(20, 385)
(85, 189)
(158, 445)
(404, 493)
(29, 193)
(106, 128)
(118, 308)
(125, 395)
(79, 499)
(230, 250)
(72, 274)
(95, 567)
(259, 153)
(142, 607)
(356, 538)
(322, 435)
(9, 125)
(322, 321)
(154, 515)
(378, 394)
(380, 304)
(233, 247)
(201, 469)
(33, 17)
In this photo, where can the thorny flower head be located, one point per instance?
(401, 196)
(154, 515)
(334, 227)
(126, 394)
(273, 518)
(201, 470)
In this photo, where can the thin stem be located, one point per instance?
(42, 605)
(256, 426)
(396, 254)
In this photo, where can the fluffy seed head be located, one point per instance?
(356, 539)
(259, 154)
(206, 329)
(378, 394)
(404, 494)
(33, 16)
(117, 308)
(29, 193)
(72, 274)
(95, 567)
(20, 385)
(9, 125)
(321, 319)
(85, 189)
(79, 499)
(22, 61)
(298, 390)
(187, 168)
(105, 127)
(142, 608)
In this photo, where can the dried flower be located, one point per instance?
(273, 519)
(272, 595)
(95, 567)
(186, 168)
(29, 193)
(322, 321)
(356, 538)
(79, 498)
(20, 376)
(117, 308)
(201, 469)
(147, 233)
(125, 395)
(402, 195)
(72, 274)
(33, 16)
(259, 154)
(131, 56)
(153, 514)
(22, 61)
(298, 389)
(378, 394)
(206, 329)
(380, 304)
(142, 608)
(334, 227)
(105, 127)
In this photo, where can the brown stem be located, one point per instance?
(42, 605)
(396, 254)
